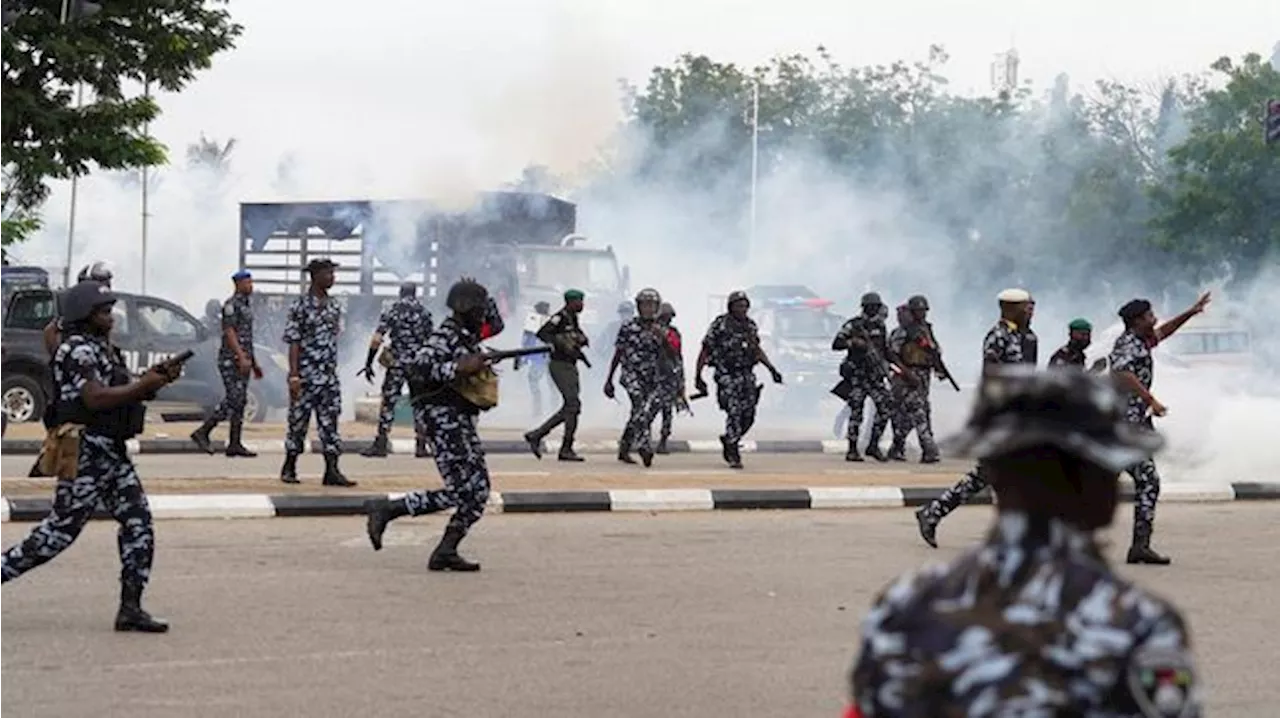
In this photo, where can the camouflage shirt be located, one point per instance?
(862, 357)
(406, 323)
(1067, 356)
(641, 349)
(1031, 622)
(1132, 353)
(313, 324)
(731, 344)
(237, 315)
(84, 358)
(436, 363)
(1003, 345)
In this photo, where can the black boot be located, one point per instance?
(534, 440)
(624, 448)
(852, 454)
(662, 445)
(382, 512)
(201, 436)
(566, 444)
(131, 617)
(732, 453)
(378, 448)
(898, 452)
(421, 448)
(446, 558)
(333, 477)
(646, 457)
(725, 453)
(1141, 552)
(930, 457)
(235, 447)
(289, 470)
(928, 526)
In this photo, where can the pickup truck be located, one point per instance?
(147, 330)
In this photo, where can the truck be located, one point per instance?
(522, 246)
(148, 330)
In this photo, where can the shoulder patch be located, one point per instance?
(228, 310)
(1163, 683)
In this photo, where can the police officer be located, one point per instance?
(450, 356)
(406, 323)
(98, 272)
(732, 347)
(1071, 354)
(236, 362)
(1003, 345)
(311, 332)
(914, 348)
(672, 376)
(537, 363)
(94, 391)
(565, 337)
(1033, 621)
(1133, 365)
(642, 350)
(863, 339)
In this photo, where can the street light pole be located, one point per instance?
(146, 175)
(755, 159)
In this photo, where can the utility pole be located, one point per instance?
(146, 176)
(755, 160)
(82, 9)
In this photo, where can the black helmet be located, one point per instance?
(466, 295)
(648, 294)
(81, 300)
(1019, 407)
(918, 302)
(666, 310)
(97, 271)
(737, 295)
(408, 289)
(872, 299)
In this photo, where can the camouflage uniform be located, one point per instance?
(866, 370)
(1002, 345)
(237, 315)
(407, 323)
(911, 389)
(313, 324)
(672, 380)
(641, 344)
(1131, 353)
(1067, 356)
(731, 350)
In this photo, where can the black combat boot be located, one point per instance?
(624, 447)
(131, 617)
(566, 444)
(646, 457)
(446, 558)
(333, 477)
(897, 452)
(534, 440)
(382, 512)
(873, 448)
(201, 436)
(930, 457)
(1140, 550)
(928, 526)
(236, 447)
(421, 448)
(662, 445)
(732, 453)
(725, 453)
(852, 454)
(378, 448)
(289, 470)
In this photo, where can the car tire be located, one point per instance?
(22, 398)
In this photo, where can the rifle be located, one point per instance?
(493, 356)
(941, 366)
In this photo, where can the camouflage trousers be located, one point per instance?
(108, 480)
(392, 384)
(646, 402)
(914, 412)
(1146, 491)
(236, 386)
(866, 387)
(965, 489)
(460, 461)
(738, 395)
(667, 408)
(325, 400)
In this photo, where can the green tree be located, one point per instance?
(1220, 201)
(45, 136)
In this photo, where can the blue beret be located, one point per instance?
(242, 274)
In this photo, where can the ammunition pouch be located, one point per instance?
(480, 389)
(60, 454)
(478, 392)
(915, 355)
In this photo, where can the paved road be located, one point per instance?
(751, 613)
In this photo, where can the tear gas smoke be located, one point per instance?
(816, 226)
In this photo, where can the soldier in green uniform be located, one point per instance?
(566, 339)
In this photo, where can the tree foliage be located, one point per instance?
(160, 45)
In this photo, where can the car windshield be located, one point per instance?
(806, 324)
(563, 269)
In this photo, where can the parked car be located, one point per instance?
(147, 330)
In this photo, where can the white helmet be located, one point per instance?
(97, 271)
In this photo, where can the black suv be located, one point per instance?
(147, 330)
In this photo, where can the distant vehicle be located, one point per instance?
(147, 330)
(14, 278)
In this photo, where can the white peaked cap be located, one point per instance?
(1014, 296)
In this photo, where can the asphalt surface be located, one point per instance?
(751, 613)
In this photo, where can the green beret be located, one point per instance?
(573, 294)
(1080, 325)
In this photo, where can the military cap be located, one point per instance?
(242, 274)
(573, 294)
(1080, 325)
(1019, 407)
(1014, 295)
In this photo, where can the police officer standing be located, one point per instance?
(236, 362)
(96, 410)
(732, 347)
(438, 376)
(311, 332)
(865, 367)
(913, 347)
(1003, 345)
(406, 323)
(1071, 354)
(1016, 625)
(565, 337)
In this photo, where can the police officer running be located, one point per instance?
(98, 272)
(1033, 621)
(865, 367)
(567, 340)
(442, 377)
(406, 323)
(642, 351)
(913, 347)
(311, 331)
(95, 410)
(236, 362)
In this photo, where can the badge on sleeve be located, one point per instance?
(228, 310)
(1163, 684)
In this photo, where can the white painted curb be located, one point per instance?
(661, 500)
